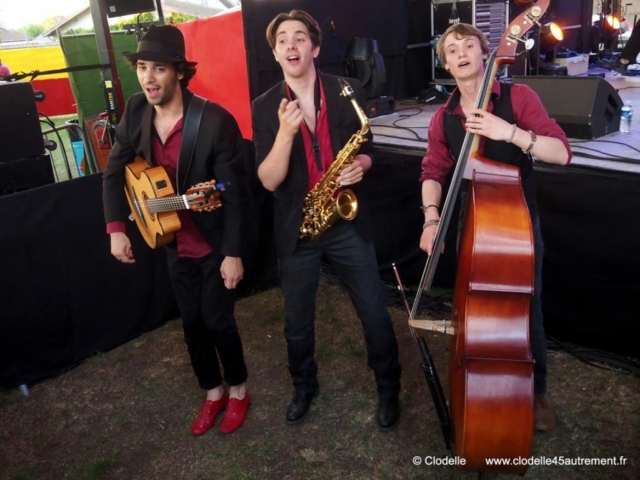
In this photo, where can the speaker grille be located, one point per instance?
(20, 132)
(584, 107)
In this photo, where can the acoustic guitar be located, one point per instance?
(154, 204)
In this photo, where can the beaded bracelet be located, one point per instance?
(424, 207)
(428, 223)
(513, 133)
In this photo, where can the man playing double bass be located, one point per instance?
(514, 127)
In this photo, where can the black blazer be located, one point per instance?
(218, 155)
(289, 196)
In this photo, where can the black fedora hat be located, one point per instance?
(160, 44)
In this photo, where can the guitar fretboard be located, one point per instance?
(167, 204)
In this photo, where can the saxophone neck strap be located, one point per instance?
(317, 100)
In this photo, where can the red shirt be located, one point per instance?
(323, 138)
(189, 240)
(528, 113)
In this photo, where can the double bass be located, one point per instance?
(490, 412)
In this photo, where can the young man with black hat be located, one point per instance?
(299, 127)
(204, 260)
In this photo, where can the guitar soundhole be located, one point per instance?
(144, 202)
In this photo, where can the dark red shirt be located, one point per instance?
(189, 240)
(323, 137)
(528, 113)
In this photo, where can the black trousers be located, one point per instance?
(356, 263)
(208, 323)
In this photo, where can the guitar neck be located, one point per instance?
(165, 204)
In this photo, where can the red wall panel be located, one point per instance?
(59, 97)
(217, 44)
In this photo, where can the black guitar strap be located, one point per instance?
(190, 135)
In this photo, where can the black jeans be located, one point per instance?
(536, 323)
(208, 323)
(356, 263)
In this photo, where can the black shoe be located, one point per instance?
(618, 66)
(388, 412)
(299, 406)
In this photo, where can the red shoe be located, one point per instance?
(235, 414)
(207, 416)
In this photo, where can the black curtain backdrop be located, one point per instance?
(395, 25)
(394, 194)
(381, 20)
(591, 277)
(63, 297)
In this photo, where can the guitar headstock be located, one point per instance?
(205, 196)
(519, 27)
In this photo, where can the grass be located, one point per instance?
(125, 414)
(62, 156)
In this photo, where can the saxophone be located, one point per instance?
(322, 206)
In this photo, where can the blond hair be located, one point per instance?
(461, 30)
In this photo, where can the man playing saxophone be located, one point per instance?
(300, 126)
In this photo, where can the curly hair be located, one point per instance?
(188, 71)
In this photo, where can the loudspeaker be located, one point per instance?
(118, 8)
(20, 132)
(380, 106)
(25, 173)
(584, 107)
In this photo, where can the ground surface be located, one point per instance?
(125, 414)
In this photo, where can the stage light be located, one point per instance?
(613, 22)
(603, 36)
(549, 37)
(611, 27)
(556, 31)
(364, 62)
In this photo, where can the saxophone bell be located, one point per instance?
(347, 204)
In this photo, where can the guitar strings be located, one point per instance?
(158, 205)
